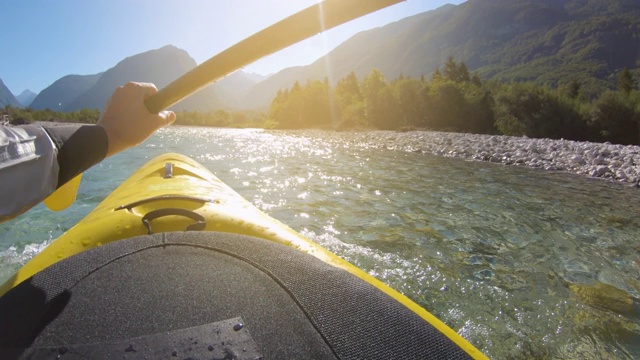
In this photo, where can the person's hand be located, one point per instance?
(127, 121)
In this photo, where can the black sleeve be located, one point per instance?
(79, 148)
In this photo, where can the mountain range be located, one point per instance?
(59, 95)
(160, 66)
(550, 42)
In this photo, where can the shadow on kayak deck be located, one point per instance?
(193, 294)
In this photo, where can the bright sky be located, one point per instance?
(43, 41)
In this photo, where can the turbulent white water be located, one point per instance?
(522, 262)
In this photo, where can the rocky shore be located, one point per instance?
(612, 162)
(57, 123)
(600, 160)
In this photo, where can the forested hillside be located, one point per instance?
(455, 100)
(547, 42)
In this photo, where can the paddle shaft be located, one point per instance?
(302, 25)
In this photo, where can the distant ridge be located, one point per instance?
(26, 97)
(63, 92)
(232, 87)
(160, 66)
(7, 97)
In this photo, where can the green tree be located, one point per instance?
(437, 75)
(408, 93)
(616, 118)
(219, 118)
(289, 113)
(480, 113)
(347, 89)
(626, 82)
(277, 108)
(372, 86)
(456, 72)
(302, 107)
(387, 110)
(239, 119)
(450, 70)
(463, 73)
(541, 111)
(315, 107)
(350, 101)
(508, 124)
(475, 80)
(573, 89)
(447, 107)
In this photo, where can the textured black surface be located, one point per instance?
(295, 306)
(226, 339)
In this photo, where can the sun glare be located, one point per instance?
(327, 63)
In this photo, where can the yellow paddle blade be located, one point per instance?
(64, 196)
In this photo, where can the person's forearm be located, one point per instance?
(79, 148)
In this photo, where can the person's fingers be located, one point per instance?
(168, 116)
(149, 89)
(145, 85)
(126, 120)
(145, 89)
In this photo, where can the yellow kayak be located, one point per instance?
(174, 263)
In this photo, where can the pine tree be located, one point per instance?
(409, 100)
(626, 82)
(350, 102)
(348, 90)
(462, 74)
(437, 75)
(475, 80)
(573, 91)
(450, 70)
(373, 84)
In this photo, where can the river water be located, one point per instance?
(522, 262)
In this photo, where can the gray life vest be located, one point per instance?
(28, 168)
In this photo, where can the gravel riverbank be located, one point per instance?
(607, 161)
(599, 160)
